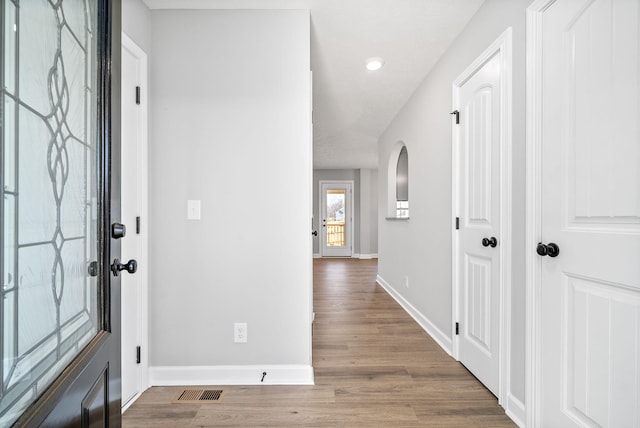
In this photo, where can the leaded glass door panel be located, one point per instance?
(56, 335)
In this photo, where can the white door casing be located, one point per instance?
(482, 210)
(327, 250)
(134, 204)
(583, 190)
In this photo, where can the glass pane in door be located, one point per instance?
(335, 220)
(49, 308)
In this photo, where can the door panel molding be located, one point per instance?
(48, 400)
(96, 401)
(501, 47)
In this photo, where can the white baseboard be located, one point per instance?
(231, 375)
(516, 410)
(354, 256)
(368, 256)
(436, 334)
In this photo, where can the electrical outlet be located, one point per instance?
(406, 281)
(240, 332)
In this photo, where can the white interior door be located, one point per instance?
(133, 189)
(336, 219)
(589, 307)
(479, 236)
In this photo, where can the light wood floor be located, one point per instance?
(374, 367)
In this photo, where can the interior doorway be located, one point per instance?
(481, 207)
(134, 217)
(336, 218)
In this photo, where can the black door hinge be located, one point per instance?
(457, 328)
(137, 94)
(137, 355)
(457, 223)
(138, 225)
(457, 113)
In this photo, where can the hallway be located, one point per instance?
(374, 366)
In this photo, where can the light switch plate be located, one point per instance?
(193, 210)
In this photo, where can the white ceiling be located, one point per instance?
(353, 106)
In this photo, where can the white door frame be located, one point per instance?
(351, 212)
(143, 197)
(501, 47)
(533, 224)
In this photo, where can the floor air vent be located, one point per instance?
(199, 396)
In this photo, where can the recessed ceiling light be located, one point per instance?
(375, 63)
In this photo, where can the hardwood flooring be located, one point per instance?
(374, 367)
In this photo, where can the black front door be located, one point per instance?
(59, 152)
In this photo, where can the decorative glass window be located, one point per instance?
(402, 209)
(49, 310)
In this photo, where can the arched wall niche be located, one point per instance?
(398, 182)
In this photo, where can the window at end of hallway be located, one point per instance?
(402, 184)
(398, 183)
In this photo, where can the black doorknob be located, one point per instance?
(550, 249)
(314, 233)
(131, 266)
(490, 242)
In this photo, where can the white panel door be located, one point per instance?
(590, 187)
(336, 218)
(479, 234)
(133, 123)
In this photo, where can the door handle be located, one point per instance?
(490, 242)
(550, 249)
(131, 266)
(314, 233)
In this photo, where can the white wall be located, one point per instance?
(136, 23)
(365, 198)
(420, 248)
(230, 126)
(368, 213)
